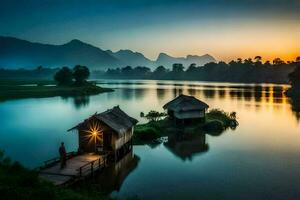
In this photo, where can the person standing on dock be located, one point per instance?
(63, 155)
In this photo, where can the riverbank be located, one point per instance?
(18, 182)
(16, 89)
(216, 122)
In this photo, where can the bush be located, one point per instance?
(216, 127)
(228, 119)
(154, 116)
(144, 132)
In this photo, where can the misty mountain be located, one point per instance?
(17, 53)
(166, 60)
(128, 57)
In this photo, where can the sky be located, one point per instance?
(225, 29)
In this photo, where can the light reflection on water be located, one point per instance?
(259, 160)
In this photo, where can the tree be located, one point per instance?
(294, 77)
(192, 68)
(141, 71)
(232, 115)
(278, 61)
(298, 59)
(127, 71)
(239, 60)
(248, 61)
(80, 74)
(160, 70)
(154, 116)
(64, 76)
(258, 60)
(177, 67)
(267, 63)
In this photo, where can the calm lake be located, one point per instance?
(260, 159)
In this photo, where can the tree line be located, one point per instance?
(76, 76)
(248, 70)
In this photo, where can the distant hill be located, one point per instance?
(17, 53)
(128, 57)
(166, 60)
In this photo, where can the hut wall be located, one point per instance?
(87, 142)
(120, 141)
(190, 114)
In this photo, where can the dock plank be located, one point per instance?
(59, 176)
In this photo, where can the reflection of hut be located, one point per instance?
(110, 131)
(186, 108)
(185, 146)
(113, 176)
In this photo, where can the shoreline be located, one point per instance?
(20, 89)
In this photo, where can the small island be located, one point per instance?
(185, 114)
(67, 82)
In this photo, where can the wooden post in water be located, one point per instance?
(92, 168)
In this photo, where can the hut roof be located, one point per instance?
(115, 118)
(185, 103)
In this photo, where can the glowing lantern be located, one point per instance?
(95, 133)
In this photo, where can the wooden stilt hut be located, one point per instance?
(186, 109)
(110, 132)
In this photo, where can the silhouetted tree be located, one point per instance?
(177, 67)
(248, 62)
(233, 63)
(64, 76)
(278, 61)
(80, 74)
(267, 63)
(237, 71)
(192, 68)
(160, 70)
(298, 59)
(258, 60)
(141, 71)
(294, 77)
(154, 115)
(127, 71)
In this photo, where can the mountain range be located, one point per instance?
(18, 53)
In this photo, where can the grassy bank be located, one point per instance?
(19, 183)
(38, 89)
(216, 122)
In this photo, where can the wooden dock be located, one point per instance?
(77, 167)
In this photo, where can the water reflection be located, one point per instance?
(112, 177)
(295, 101)
(79, 101)
(185, 146)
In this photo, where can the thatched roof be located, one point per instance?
(185, 103)
(115, 118)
